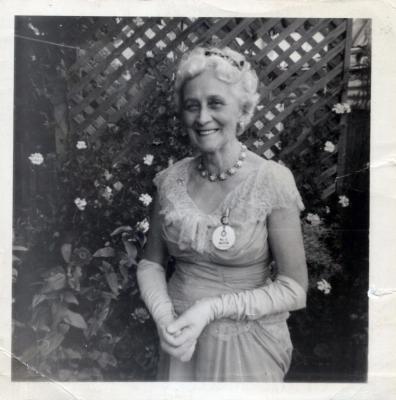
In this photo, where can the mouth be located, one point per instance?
(206, 132)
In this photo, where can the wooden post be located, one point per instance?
(341, 161)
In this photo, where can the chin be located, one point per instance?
(207, 146)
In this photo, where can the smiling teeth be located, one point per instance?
(207, 132)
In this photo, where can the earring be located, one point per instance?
(240, 126)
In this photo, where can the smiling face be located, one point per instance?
(210, 112)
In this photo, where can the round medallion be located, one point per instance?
(223, 237)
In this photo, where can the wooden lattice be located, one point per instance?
(299, 61)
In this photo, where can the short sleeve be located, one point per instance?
(159, 178)
(284, 190)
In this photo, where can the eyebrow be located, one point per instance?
(210, 97)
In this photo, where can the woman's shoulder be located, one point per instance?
(281, 185)
(269, 169)
(173, 171)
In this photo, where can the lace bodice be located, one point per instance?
(187, 230)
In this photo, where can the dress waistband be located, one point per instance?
(244, 277)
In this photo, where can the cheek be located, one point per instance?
(186, 119)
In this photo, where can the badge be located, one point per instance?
(223, 237)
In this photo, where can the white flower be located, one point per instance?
(149, 54)
(323, 286)
(258, 143)
(107, 175)
(170, 55)
(96, 183)
(140, 314)
(329, 147)
(137, 167)
(341, 108)
(343, 200)
(36, 158)
(81, 145)
(138, 21)
(327, 210)
(143, 226)
(283, 66)
(171, 161)
(118, 186)
(313, 219)
(148, 159)
(80, 203)
(107, 193)
(146, 199)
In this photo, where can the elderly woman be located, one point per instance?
(225, 216)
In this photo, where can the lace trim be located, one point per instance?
(271, 187)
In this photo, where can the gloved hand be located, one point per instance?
(284, 294)
(171, 345)
(189, 326)
(153, 289)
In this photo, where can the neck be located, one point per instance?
(222, 159)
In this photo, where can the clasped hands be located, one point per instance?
(178, 336)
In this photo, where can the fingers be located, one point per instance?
(188, 334)
(173, 340)
(183, 353)
(179, 324)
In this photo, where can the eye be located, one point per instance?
(216, 103)
(190, 107)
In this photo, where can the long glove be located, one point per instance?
(153, 290)
(284, 294)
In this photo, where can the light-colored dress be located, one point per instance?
(227, 350)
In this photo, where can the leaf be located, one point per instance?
(72, 354)
(105, 252)
(52, 341)
(75, 320)
(16, 260)
(106, 359)
(29, 354)
(14, 274)
(121, 229)
(37, 299)
(54, 282)
(66, 250)
(40, 319)
(111, 277)
(69, 297)
(96, 322)
(112, 281)
(124, 273)
(19, 248)
(131, 250)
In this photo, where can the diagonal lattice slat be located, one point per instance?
(299, 62)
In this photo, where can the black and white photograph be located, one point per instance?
(191, 199)
(181, 186)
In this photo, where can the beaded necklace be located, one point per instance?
(223, 175)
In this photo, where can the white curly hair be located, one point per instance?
(229, 66)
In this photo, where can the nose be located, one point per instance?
(203, 116)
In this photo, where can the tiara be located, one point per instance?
(234, 63)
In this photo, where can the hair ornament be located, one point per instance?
(214, 52)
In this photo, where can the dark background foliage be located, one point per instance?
(77, 314)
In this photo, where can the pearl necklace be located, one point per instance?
(222, 176)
